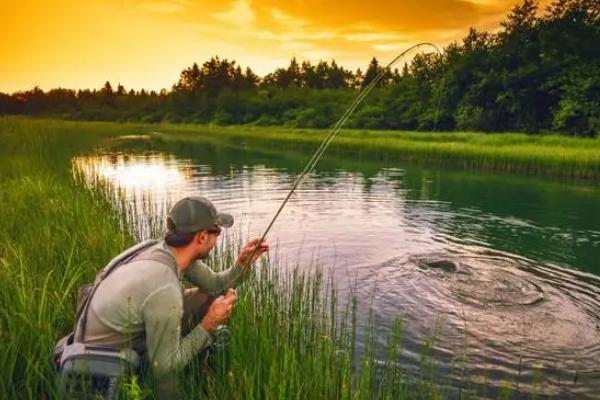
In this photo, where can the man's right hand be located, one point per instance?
(219, 311)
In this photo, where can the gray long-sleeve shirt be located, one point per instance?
(140, 304)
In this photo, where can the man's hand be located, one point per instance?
(252, 250)
(219, 311)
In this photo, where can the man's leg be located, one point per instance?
(195, 306)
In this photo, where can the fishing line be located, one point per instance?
(310, 165)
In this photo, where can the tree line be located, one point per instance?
(539, 73)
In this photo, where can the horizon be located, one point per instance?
(148, 43)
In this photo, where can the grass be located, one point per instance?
(53, 237)
(292, 339)
(543, 155)
(537, 155)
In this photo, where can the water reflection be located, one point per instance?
(135, 174)
(377, 226)
(143, 186)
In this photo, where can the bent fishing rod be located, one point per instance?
(310, 165)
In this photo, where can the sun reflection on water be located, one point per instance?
(142, 186)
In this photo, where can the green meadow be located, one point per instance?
(290, 337)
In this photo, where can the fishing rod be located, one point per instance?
(310, 165)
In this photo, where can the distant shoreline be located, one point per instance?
(550, 155)
(517, 153)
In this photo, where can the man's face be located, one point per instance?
(206, 240)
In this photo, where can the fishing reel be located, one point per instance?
(221, 337)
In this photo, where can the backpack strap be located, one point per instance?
(121, 259)
(157, 256)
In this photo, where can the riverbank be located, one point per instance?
(53, 237)
(558, 156)
(289, 339)
(537, 155)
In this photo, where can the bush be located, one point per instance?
(469, 118)
(370, 117)
(152, 118)
(266, 120)
(312, 118)
(578, 118)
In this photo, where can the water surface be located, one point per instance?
(504, 269)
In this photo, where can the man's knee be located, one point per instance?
(195, 306)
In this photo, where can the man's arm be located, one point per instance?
(167, 351)
(211, 282)
(215, 283)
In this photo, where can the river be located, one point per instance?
(503, 270)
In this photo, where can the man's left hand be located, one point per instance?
(251, 252)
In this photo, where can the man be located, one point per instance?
(142, 304)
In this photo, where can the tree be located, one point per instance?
(285, 77)
(188, 80)
(372, 71)
(337, 77)
(107, 89)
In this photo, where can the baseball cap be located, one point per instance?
(194, 213)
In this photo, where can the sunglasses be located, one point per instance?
(215, 231)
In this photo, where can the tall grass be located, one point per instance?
(53, 237)
(291, 339)
(543, 155)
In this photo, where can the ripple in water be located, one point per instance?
(514, 315)
(485, 282)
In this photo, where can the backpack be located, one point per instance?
(87, 368)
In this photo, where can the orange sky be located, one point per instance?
(146, 43)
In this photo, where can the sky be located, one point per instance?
(146, 43)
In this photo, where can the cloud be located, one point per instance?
(287, 20)
(389, 46)
(165, 6)
(314, 55)
(240, 14)
(385, 15)
(298, 45)
(372, 36)
(346, 30)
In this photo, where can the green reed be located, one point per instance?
(53, 237)
(292, 336)
(543, 155)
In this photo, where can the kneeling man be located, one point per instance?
(142, 303)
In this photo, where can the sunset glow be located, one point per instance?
(146, 43)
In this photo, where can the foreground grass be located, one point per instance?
(53, 237)
(290, 340)
(543, 155)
